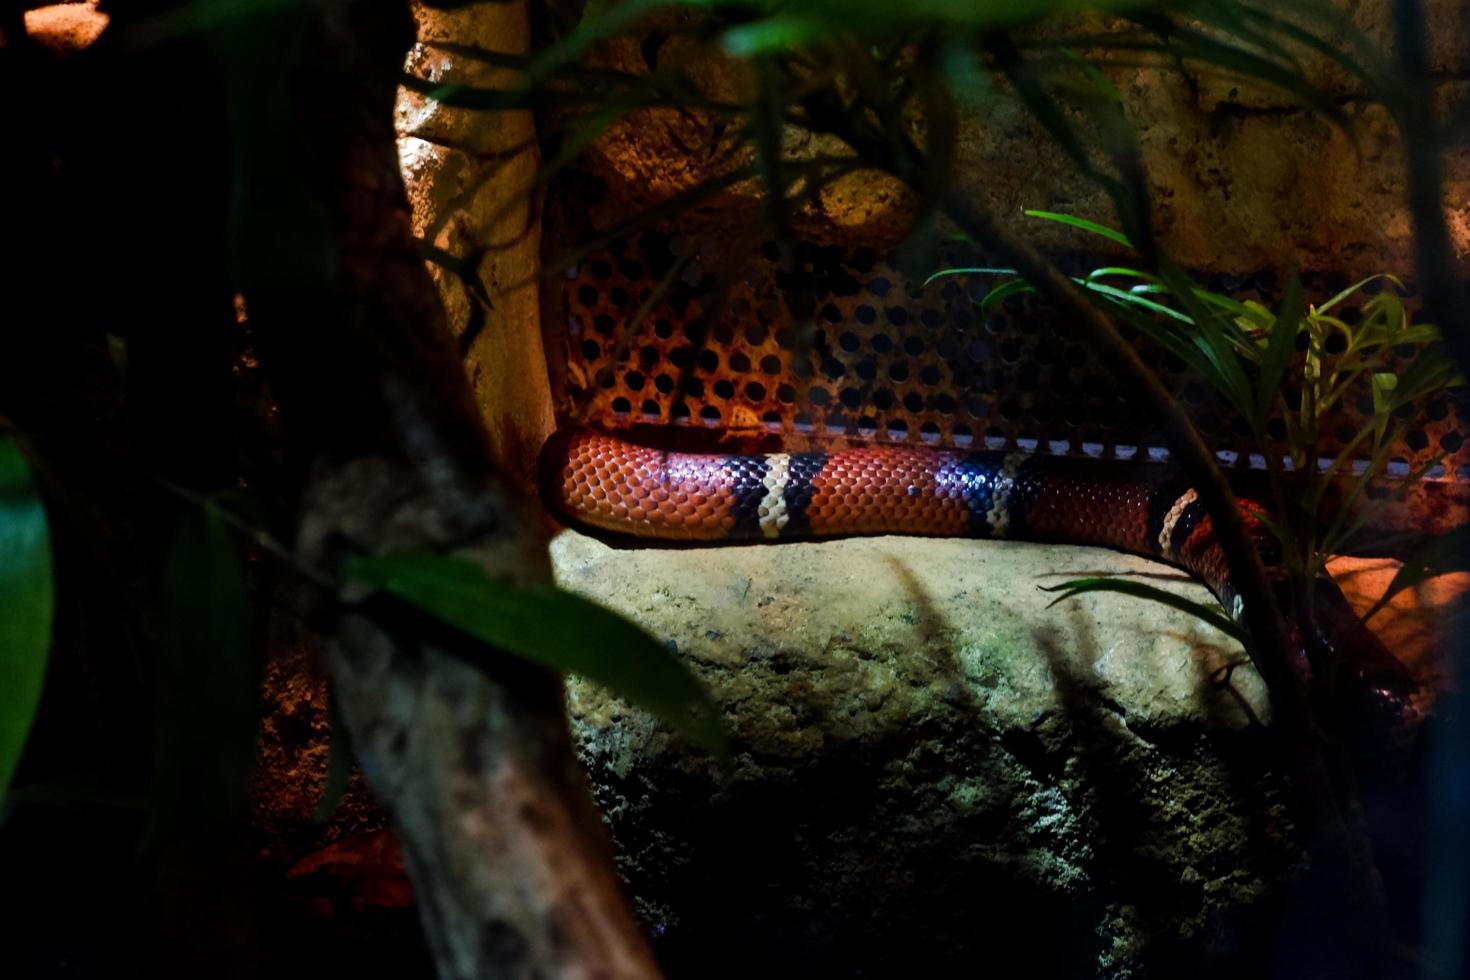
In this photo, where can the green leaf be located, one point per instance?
(1209, 614)
(968, 271)
(28, 602)
(554, 628)
(340, 759)
(1443, 554)
(208, 709)
(1346, 293)
(1002, 292)
(1082, 224)
(1280, 343)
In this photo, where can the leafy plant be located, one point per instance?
(1290, 374)
(27, 604)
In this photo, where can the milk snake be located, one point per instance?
(1146, 508)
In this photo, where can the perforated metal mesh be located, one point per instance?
(836, 345)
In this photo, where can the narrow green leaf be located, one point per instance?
(968, 271)
(1002, 292)
(1446, 553)
(1082, 224)
(554, 628)
(28, 602)
(1346, 293)
(208, 707)
(339, 761)
(1209, 614)
(1280, 343)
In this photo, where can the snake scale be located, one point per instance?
(605, 482)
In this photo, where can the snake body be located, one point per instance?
(1146, 508)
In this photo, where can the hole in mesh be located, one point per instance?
(708, 360)
(786, 394)
(633, 380)
(978, 350)
(709, 415)
(1010, 351)
(680, 412)
(605, 378)
(1010, 410)
(631, 269)
(755, 391)
(913, 402)
(864, 314)
(1437, 410)
(786, 338)
(1028, 379)
(648, 355)
(913, 346)
(867, 368)
(621, 406)
(724, 333)
(819, 396)
(663, 329)
(898, 371)
(603, 323)
(587, 296)
(882, 343)
(1451, 442)
(618, 296)
(680, 357)
(882, 399)
(929, 375)
(944, 403)
(802, 422)
(836, 422)
(831, 313)
(1416, 440)
(739, 362)
(897, 315)
(850, 397)
(590, 350)
(833, 368)
(664, 383)
(931, 318)
(724, 389)
(963, 436)
(694, 387)
(771, 364)
(650, 409)
(879, 286)
(867, 425)
(601, 269)
(755, 333)
(848, 341)
(929, 432)
(898, 429)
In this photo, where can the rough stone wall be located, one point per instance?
(1242, 179)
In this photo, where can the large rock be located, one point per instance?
(934, 772)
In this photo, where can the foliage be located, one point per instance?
(27, 604)
(556, 629)
(208, 678)
(1289, 374)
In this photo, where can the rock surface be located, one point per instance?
(934, 773)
